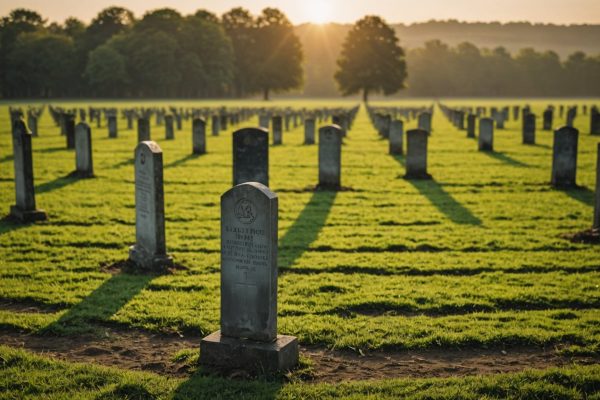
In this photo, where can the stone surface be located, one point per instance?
(309, 130)
(548, 117)
(416, 154)
(596, 223)
(330, 157)
(249, 219)
(198, 136)
(564, 157)
(112, 126)
(395, 139)
(486, 134)
(25, 208)
(251, 156)
(277, 123)
(169, 130)
(149, 251)
(529, 129)
(143, 130)
(424, 122)
(471, 122)
(279, 355)
(69, 126)
(216, 125)
(84, 164)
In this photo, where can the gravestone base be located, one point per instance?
(82, 174)
(418, 176)
(28, 215)
(146, 261)
(249, 355)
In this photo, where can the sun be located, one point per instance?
(317, 11)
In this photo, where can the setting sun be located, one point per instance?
(317, 11)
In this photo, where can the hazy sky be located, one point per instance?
(407, 11)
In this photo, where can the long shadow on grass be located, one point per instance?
(581, 194)
(56, 184)
(200, 386)
(181, 161)
(441, 199)
(101, 304)
(306, 228)
(506, 159)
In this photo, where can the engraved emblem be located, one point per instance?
(142, 158)
(245, 211)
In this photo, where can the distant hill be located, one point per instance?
(322, 43)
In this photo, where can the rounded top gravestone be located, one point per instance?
(251, 156)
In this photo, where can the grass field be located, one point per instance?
(473, 259)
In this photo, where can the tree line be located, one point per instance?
(166, 54)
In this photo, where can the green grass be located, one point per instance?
(473, 258)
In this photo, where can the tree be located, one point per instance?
(279, 53)
(108, 23)
(240, 27)
(371, 60)
(106, 71)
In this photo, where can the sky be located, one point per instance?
(343, 11)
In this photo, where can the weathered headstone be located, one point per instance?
(263, 121)
(216, 125)
(564, 157)
(416, 154)
(143, 132)
(529, 128)
(32, 124)
(330, 157)
(149, 251)
(309, 131)
(83, 151)
(396, 133)
(425, 122)
(548, 119)
(112, 126)
(486, 134)
(248, 337)
(277, 122)
(69, 124)
(471, 121)
(595, 121)
(198, 136)
(24, 210)
(169, 131)
(251, 156)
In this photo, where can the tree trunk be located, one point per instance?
(266, 94)
(365, 96)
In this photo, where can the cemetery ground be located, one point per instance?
(464, 286)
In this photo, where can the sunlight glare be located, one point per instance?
(318, 11)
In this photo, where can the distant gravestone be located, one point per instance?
(425, 122)
(386, 122)
(416, 154)
(595, 121)
(169, 130)
(178, 122)
(486, 134)
(330, 157)
(32, 124)
(309, 131)
(112, 126)
(471, 121)
(216, 125)
(263, 121)
(529, 129)
(198, 136)
(248, 337)
(277, 122)
(596, 224)
(564, 157)
(548, 119)
(150, 251)
(69, 124)
(83, 151)
(223, 124)
(251, 156)
(24, 210)
(143, 132)
(396, 133)
(571, 114)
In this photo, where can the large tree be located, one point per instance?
(279, 54)
(240, 27)
(371, 60)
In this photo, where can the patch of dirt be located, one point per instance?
(589, 236)
(141, 350)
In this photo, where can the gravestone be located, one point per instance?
(69, 124)
(263, 121)
(24, 210)
(564, 157)
(248, 337)
(150, 251)
(216, 125)
(84, 165)
(486, 134)
(277, 129)
(471, 121)
(309, 131)
(169, 131)
(595, 121)
(178, 122)
(143, 130)
(571, 114)
(112, 126)
(32, 124)
(251, 156)
(596, 224)
(198, 136)
(330, 157)
(529, 128)
(548, 119)
(223, 120)
(416, 154)
(396, 132)
(425, 122)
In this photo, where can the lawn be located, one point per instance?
(473, 259)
